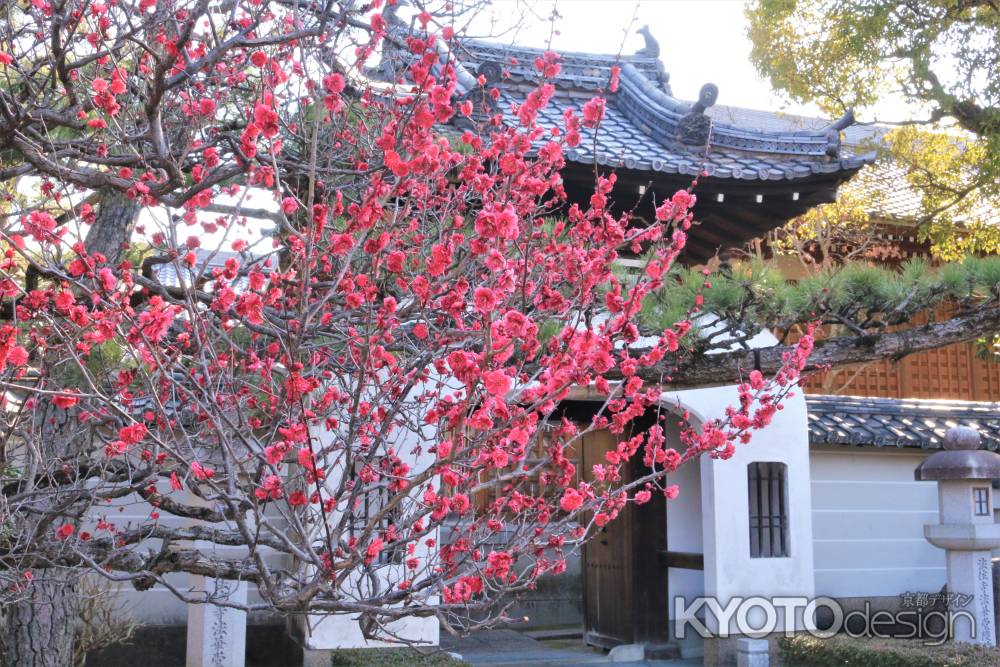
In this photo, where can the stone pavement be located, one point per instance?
(509, 648)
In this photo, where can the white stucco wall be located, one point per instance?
(159, 606)
(868, 523)
(684, 534)
(729, 570)
(684, 526)
(339, 631)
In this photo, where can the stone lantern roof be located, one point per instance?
(961, 459)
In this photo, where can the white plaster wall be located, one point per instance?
(684, 533)
(868, 523)
(684, 525)
(337, 631)
(157, 606)
(729, 570)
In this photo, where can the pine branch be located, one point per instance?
(731, 367)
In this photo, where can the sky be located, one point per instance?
(701, 41)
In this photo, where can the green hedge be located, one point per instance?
(808, 651)
(392, 657)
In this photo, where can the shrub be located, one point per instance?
(392, 657)
(105, 619)
(808, 651)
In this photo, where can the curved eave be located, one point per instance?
(729, 212)
(659, 114)
(694, 165)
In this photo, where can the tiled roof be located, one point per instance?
(758, 178)
(892, 422)
(623, 142)
(205, 262)
(856, 135)
(641, 124)
(882, 183)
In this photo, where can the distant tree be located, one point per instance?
(939, 56)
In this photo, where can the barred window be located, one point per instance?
(768, 497)
(981, 500)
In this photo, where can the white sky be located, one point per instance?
(701, 41)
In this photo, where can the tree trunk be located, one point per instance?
(41, 626)
(112, 228)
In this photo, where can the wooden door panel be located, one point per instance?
(607, 559)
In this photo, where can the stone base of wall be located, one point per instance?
(556, 601)
(721, 651)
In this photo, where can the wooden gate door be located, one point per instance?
(624, 573)
(607, 560)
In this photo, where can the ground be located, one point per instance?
(508, 648)
(270, 646)
(393, 658)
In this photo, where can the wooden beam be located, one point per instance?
(684, 560)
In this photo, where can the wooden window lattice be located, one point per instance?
(525, 483)
(768, 504)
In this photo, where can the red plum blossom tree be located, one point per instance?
(309, 409)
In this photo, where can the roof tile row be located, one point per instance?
(903, 423)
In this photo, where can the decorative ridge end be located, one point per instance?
(694, 128)
(843, 122)
(833, 132)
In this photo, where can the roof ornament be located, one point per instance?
(652, 50)
(694, 127)
(491, 72)
(833, 132)
(652, 47)
(483, 103)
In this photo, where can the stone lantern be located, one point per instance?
(967, 531)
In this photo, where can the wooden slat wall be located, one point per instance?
(954, 372)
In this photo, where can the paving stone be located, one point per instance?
(627, 653)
